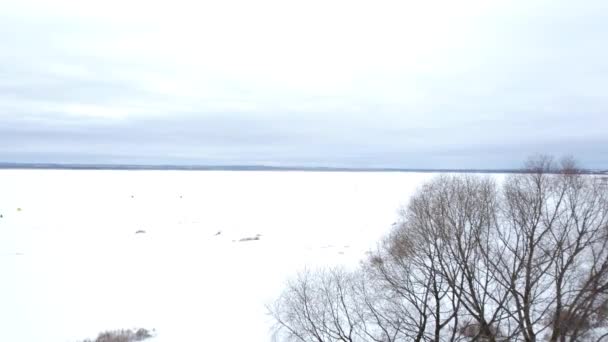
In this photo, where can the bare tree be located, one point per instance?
(317, 306)
(471, 260)
(548, 250)
(455, 215)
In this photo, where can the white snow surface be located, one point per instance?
(72, 264)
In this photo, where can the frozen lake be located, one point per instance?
(72, 264)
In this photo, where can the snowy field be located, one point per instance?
(72, 264)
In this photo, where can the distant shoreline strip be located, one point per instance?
(118, 167)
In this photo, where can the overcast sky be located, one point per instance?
(428, 84)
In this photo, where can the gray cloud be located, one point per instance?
(517, 80)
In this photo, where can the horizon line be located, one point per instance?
(255, 167)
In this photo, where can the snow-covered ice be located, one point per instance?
(72, 264)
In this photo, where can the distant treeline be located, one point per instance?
(56, 166)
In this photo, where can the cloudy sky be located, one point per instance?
(453, 84)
